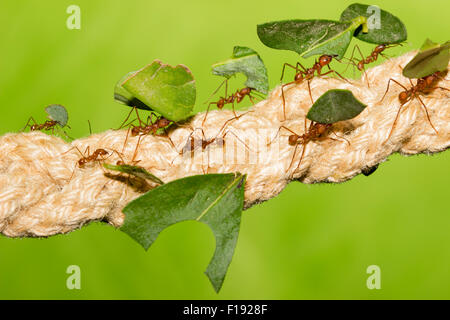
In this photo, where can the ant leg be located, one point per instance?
(28, 123)
(340, 137)
(218, 88)
(234, 111)
(126, 119)
(136, 149)
(126, 138)
(387, 89)
(240, 140)
(291, 66)
(292, 160)
(207, 110)
(335, 72)
(283, 98)
(300, 161)
(309, 90)
(426, 112)
(278, 132)
(395, 122)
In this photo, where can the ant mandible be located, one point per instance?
(316, 131)
(424, 85)
(238, 96)
(307, 74)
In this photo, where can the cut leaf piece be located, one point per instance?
(432, 57)
(134, 171)
(310, 37)
(168, 90)
(58, 113)
(383, 29)
(335, 105)
(246, 61)
(125, 97)
(214, 199)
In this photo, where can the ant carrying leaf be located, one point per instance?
(58, 119)
(246, 61)
(333, 106)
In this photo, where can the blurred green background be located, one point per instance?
(309, 242)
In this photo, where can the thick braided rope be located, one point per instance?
(43, 192)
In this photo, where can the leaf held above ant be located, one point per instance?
(388, 29)
(335, 105)
(134, 171)
(123, 96)
(214, 199)
(168, 90)
(431, 58)
(310, 37)
(246, 61)
(58, 113)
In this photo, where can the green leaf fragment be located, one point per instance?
(168, 90)
(214, 199)
(310, 37)
(246, 61)
(335, 105)
(383, 27)
(125, 97)
(134, 171)
(431, 58)
(58, 113)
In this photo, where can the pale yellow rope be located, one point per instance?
(43, 192)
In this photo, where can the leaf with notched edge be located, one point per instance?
(335, 105)
(214, 199)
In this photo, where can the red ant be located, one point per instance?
(47, 125)
(238, 96)
(424, 85)
(307, 74)
(146, 128)
(316, 131)
(96, 157)
(378, 50)
(193, 143)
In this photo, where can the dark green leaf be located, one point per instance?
(168, 90)
(134, 171)
(391, 29)
(431, 58)
(214, 199)
(310, 37)
(125, 97)
(247, 61)
(58, 113)
(335, 105)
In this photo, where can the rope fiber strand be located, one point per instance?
(43, 192)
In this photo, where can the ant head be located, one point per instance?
(293, 139)
(245, 91)
(360, 65)
(220, 103)
(120, 163)
(82, 162)
(34, 127)
(102, 152)
(325, 59)
(298, 77)
(380, 48)
(403, 96)
(135, 131)
(163, 122)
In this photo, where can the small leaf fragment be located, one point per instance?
(214, 199)
(168, 90)
(134, 171)
(383, 29)
(58, 113)
(335, 105)
(431, 58)
(246, 61)
(310, 37)
(125, 97)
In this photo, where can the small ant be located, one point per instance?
(316, 131)
(424, 85)
(378, 50)
(307, 74)
(145, 128)
(192, 144)
(47, 125)
(238, 96)
(87, 157)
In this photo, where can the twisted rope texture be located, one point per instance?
(43, 192)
